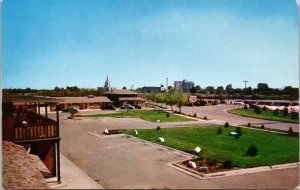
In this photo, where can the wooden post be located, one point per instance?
(46, 112)
(39, 111)
(58, 162)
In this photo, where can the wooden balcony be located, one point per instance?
(30, 126)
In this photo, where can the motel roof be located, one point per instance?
(131, 99)
(119, 92)
(21, 170)
(17, 99)
(85, 99)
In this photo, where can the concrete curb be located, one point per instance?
(232, 172)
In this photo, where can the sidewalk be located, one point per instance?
(72, 177)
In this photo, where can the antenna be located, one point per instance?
(245, 81)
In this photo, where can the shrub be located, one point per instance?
(252, 151)
(257, 110)
(205, 118)
(291, 131)
(264, 108)
(226, 124)
(294, 115)
(239, 131)
(249, 124)
(276, 112)
(167, 115)
(211, 162)
(158, 128)
(262, 126)
(195, 115)
(219, 132)
(237, 136)
(227, 164)
(252, 106)
(245, 107)
(285, 111)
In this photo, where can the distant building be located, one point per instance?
(184, 85)
(150, 89)
(107, 86)
(120, 97)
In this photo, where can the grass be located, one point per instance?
(148, 115)
(264, 115)
(273, 148)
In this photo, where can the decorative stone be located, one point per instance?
(192, 164)
(158, 121)
(233, 133)
(197, 150)
(136, 132)
(160, 139)
(203, 169)
(106, 131)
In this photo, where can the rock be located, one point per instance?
(136, 132)
(197, 150)
(160, 139)
(192, 164)
(203, 169)
(157, 121)
(233, 133)
(106, 131)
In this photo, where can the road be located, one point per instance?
(118, 162)
(219, 115)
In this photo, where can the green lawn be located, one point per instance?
(264, 115)
(272, 148)
(148, 115)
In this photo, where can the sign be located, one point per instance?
(193, 99)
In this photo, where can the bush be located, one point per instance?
(158, 128)
(211, 162)
(257, 110)
(167, 115)
(262, 126)
(291, 131)
(239, 131)
(227, 164)
(205, 118)
(226, 125)
(276, 112)
(285, 111)
(195, 115)
(219, 132)
(294, 115)
(264, 108)
(245, 107)
(252, 151)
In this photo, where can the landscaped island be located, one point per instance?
(266, 114)
(149, 115)
(273, 148)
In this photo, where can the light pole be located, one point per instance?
(245, 81)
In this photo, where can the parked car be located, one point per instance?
(127, 106)
(137, 106)
(110, 107)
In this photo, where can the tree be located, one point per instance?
(124, 88)
(252, 151)
(72, 111)
(198, 88)
(181, 99)
(210, 89)
(262, 88)
(219, 132)
(229, 89)
(171, 99)
(220, 89)
(248, 90)
(193, 90)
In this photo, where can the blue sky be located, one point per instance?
(48, 43)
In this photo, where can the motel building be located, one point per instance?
(120, 97)
(87, 102)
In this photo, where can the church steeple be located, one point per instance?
(107, 84)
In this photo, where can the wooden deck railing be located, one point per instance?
(36, 131)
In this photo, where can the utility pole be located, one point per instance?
(167, 85)
(245, 81)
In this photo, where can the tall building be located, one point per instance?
(107, 84)
(184, 85)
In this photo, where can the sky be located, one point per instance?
(49, 43)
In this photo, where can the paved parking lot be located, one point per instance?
(119, 162)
